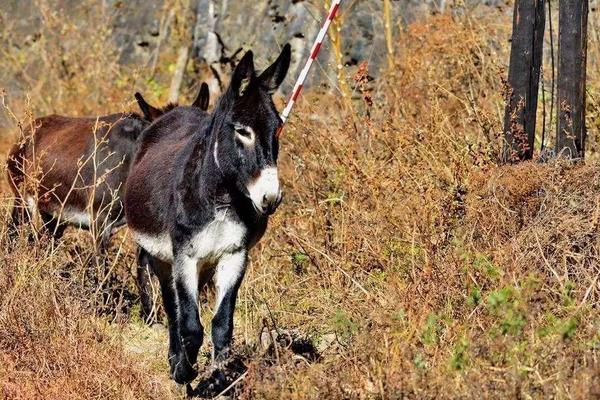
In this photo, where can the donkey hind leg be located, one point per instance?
(53, 226)
(102, 246)
(163, 271)
(191, 333)
(143, 280)
(228, 277)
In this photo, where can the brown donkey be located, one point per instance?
(72, 171)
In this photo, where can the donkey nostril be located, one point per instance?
(269, 204)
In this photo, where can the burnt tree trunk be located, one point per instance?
(523, 80)
(572, 54)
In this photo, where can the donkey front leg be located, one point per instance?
(53, 226)
(190, 330)
(228, 277)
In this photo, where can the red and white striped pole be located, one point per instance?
(335, 4)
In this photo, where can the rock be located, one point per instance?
(160, 328)
(290, 340)
(326, 341)
(266, 338)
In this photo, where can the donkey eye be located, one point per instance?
(243, 132)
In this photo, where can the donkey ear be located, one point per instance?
(203, 97)
(272, 77)
(243, 73)
(150, 113)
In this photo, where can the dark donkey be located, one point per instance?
(198, 198)
(72, 171)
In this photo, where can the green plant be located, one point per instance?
(300, 261)
(343, 324)
(459, 359)
(433, 329)
(504, 304)
(474, 297)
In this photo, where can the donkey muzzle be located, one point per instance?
(269, 205)
(265, 192)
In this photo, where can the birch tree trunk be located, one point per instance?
(297, 32)
(200, 29)
(207, 44)
(182, 60)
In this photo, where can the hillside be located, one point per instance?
(412, 263)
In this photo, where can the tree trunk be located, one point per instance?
(182, 60)
(200, 29)
(387, 26)
(297, 15)
(207, 45)
(572, 55)
(523, 80)
(163, 31)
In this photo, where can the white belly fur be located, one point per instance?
(222, 236)
(159, 246)
(68, 215)
(75, 217)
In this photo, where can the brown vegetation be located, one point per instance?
(417, 266)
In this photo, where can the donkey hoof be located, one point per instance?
(211, 386)
(184, 373)
(181, 370)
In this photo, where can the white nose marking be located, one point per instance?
(265, 188)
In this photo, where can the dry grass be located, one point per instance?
(438, 273)
(51, 346)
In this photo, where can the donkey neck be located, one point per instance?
(201, 184)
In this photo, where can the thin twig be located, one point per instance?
(242, 376)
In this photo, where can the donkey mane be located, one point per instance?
(152, 113)
(134, 115)
(161, 132)
(168, 107)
